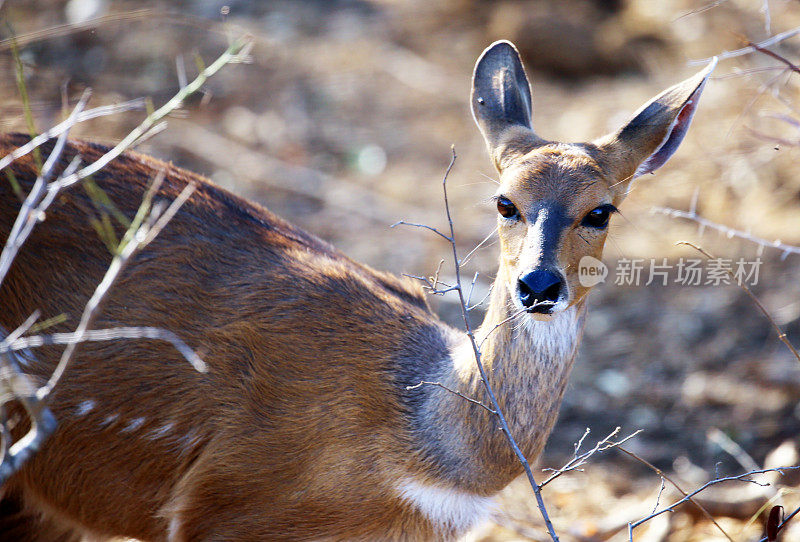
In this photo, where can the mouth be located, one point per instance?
(541, 307)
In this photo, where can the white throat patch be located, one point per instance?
(449, 509)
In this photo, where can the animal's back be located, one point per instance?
(308, 355)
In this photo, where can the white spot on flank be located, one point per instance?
(187, 442)
(85, 407)
(133, 425)
(449, 509)
(160, 431)
(111, 418)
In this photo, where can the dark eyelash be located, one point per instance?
(608, 207)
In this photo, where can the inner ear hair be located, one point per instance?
(648, 140)
(501, 103)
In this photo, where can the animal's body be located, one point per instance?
(303, 427)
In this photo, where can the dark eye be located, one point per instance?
(598, 217)
(506, 208)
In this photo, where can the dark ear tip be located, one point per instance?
(499, 49)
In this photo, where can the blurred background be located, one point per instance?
(343, 124)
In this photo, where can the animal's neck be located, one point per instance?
(527, 363)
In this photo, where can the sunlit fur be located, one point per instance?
(310, 423)
(555, 174)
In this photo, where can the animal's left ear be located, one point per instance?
(653, 135)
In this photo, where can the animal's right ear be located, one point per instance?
(501, 103)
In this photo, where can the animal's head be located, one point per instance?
(555, 199)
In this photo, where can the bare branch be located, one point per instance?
(503, 322)
(482, 301)
(725, 230)
(16, 385)
(578, 460)
(744, 477)
(424, 226)
(710, 5)
(471, 288)
(66, 125)
(32, 208)
(235, 53)
(781, 335)
(658, 497)
(774, 55)
(478, 246)
(111, 334)
(454, 392)
(777, 38)
(664, 476)
(136, 237)
(501, 419)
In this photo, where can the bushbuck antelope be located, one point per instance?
(303, 427)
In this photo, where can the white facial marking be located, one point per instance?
(449, 509)
(85, 407)
(535, 239)
(531, 256)
(133, 425)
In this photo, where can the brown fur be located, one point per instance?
(303, 428)
(233, 281)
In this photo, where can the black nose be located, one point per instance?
(540, 288)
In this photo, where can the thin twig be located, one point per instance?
(658, 497)
(482, 301)
(111, 334)
(471, 288)
(424, 226)
(234, 53)
(489, 391)
(774, 55)
(478, 246)
(23, 327)
(781, 335)
(139, 236)
(454, 392)
(783, 523)
(505, 321)
(66, 125)
(777, 38)
(578, 460)
(42, 422)
(32, 210)
(701, 9)
(688, 498)
(664, 476)
(727, 231)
